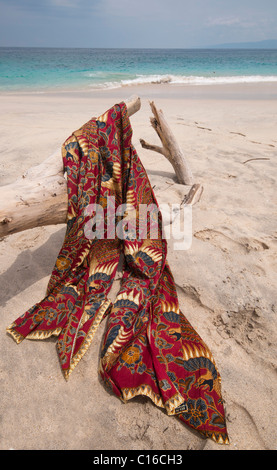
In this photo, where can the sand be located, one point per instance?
(226, 280)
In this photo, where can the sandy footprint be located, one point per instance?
(252, 244)
(219, 240)
(228, 244)
(245, 326)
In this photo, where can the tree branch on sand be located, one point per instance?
(39, 197)
(170, 147)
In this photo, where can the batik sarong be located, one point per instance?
(149, 347)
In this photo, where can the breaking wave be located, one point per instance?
(184, 80)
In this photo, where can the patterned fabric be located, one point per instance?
(149, 347)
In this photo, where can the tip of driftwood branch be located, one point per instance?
(133, 104)
(194, 195)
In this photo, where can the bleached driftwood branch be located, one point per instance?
(193, 195)
(39, 197)
(170, 148)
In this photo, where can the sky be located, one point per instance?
(135, 23)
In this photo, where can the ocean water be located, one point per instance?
(41, 69)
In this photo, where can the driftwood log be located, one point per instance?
(170, 148)
(39, 197)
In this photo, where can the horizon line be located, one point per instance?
(219, 46)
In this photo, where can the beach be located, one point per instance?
(226, 280)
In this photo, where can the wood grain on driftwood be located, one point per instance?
(170, 147)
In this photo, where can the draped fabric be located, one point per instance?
(149, 348)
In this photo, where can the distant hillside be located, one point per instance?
(268, 44)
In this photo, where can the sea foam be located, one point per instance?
(185, 80)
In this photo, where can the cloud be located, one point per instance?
(65, 3)
(143, 23)
(223, 21)
(231, 22)
(154, 10)
(50, 6)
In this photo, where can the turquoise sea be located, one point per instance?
(42, 69)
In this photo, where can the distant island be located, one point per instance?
(267, 44)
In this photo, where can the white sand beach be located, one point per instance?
(226, 281)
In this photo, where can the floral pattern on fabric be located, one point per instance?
(149, 347)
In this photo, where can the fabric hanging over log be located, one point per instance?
(149, 347)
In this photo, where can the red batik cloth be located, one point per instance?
(149, 347)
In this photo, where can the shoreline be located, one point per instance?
(258, 90)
